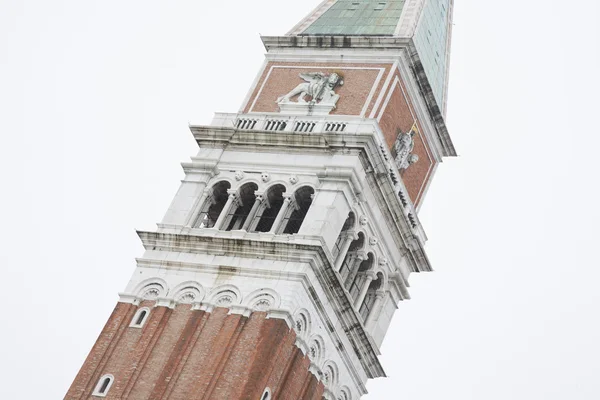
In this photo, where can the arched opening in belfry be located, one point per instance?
(213, 205)
(367, 305)
(339, 243)
(303, 198)
(357, 276)
(270, 208)
(240, 210)
(352, 256)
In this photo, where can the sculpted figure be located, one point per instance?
(405, 144)
(319, 86)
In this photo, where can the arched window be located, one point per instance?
(301, 204)
(212, 207)
(240, 211)
(352, 256)
(266, 395)
(140, 317)
(367, 305)
(348, 225)
(355, 279)
(270, 208)
(103, 386)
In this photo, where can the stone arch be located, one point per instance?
(213, 205)
(269, 209)
(263, 300)
(344, 394)
(348, 227)
(385, 281)
(358, 274)
(241, 208)
(151, 289)
(375, 286)
(225, 296)
(302, 323)
(316, 349)
(299, 206)
(354, 255)
(330, 374)
(188, 292)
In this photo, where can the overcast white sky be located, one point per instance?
(95, 98)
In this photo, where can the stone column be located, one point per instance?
(286, 203)
(350, 237)
(354, 267)
(252, 213)
(225, 211)
(363, 291)
(192, 218)
(375, 311)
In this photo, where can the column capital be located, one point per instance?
(351, 235)
(362, 255)
(380, 294)
(371, 275)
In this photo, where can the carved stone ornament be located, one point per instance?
(187, 297)
(319, 87)
(293, 179)
(363, 220)
(404, 145)
(239, 175)
(265, 177)
(373, 241)
(262, 304)
(225, 300)
(151, 294)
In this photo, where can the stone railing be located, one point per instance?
(294, 124)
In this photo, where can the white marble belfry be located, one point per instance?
(299, 217)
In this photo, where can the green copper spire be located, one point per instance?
(358, 17)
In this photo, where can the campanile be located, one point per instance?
(280, 262)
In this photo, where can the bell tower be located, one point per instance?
(280, 262)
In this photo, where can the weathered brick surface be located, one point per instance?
(90, 372)
(358, 84)
(185, 354)
(398, 115)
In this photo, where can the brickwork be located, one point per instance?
(185, 354)
(360, 82)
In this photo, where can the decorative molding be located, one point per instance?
(239, 175)
(265, 177)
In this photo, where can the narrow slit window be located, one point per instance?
(266, 395)
(140, 317)
(103, 386)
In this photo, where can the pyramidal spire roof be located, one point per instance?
(427, 23)
(352, 17)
